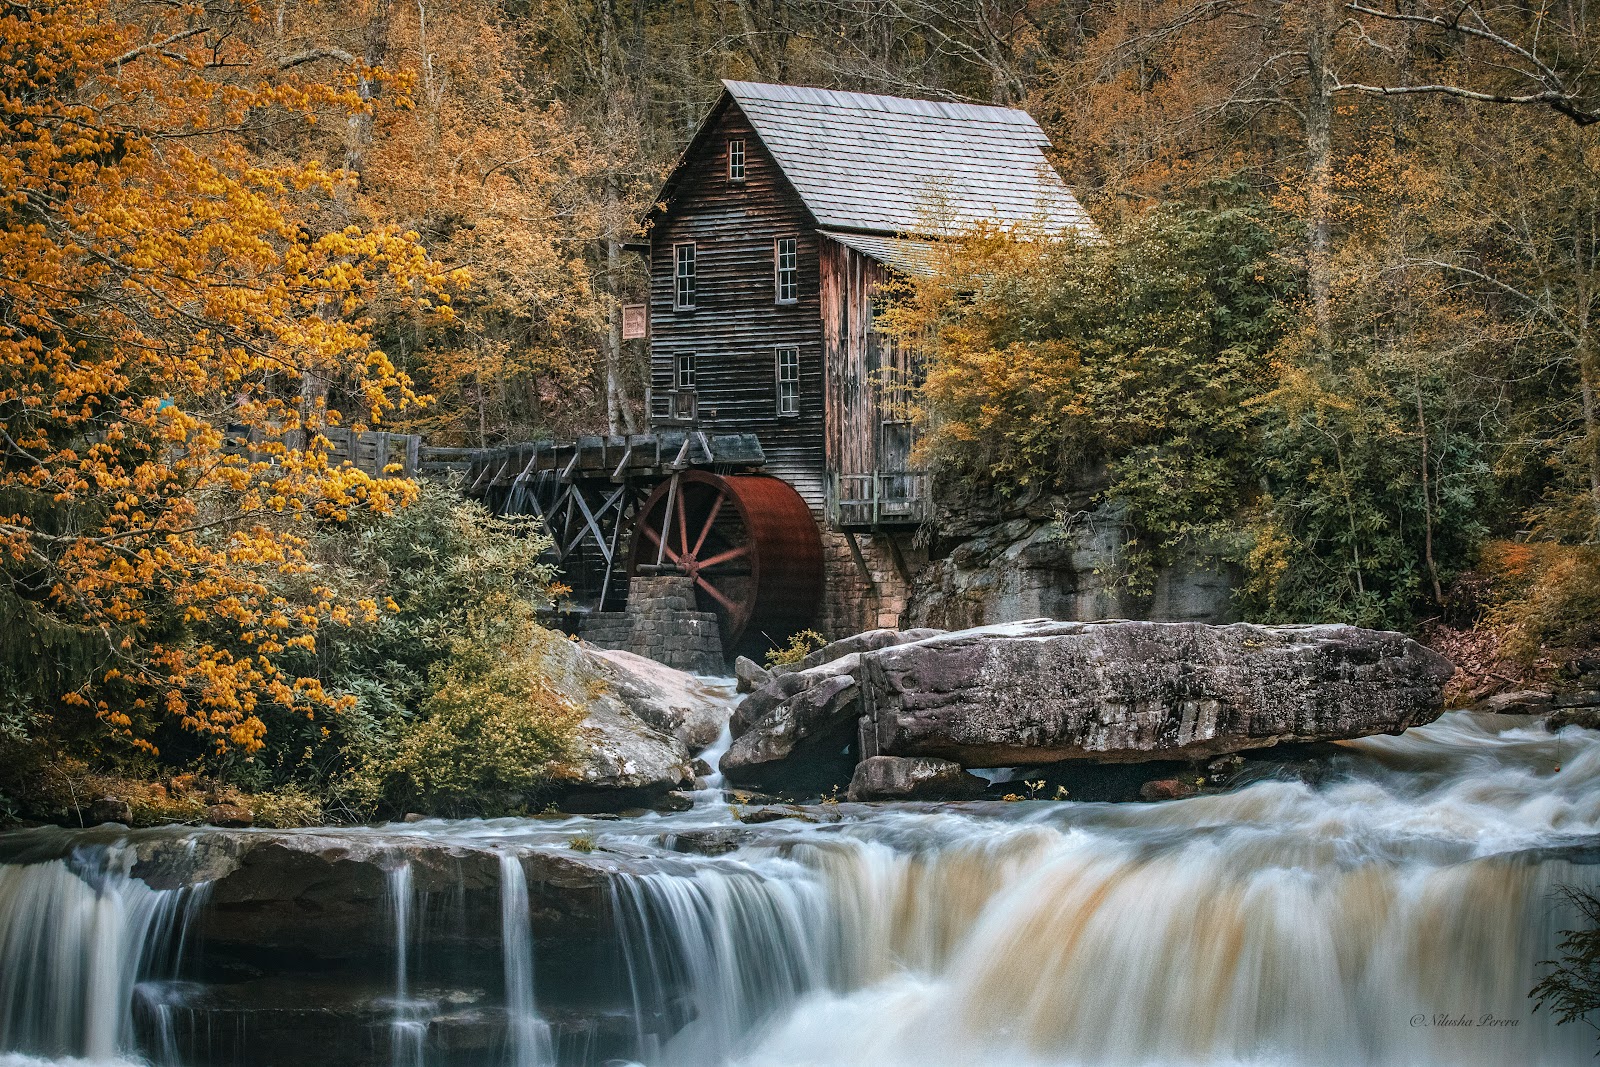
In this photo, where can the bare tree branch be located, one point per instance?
(1556, 91)
(159, 46)
(311, 55)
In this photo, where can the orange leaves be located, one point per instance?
(176, 336)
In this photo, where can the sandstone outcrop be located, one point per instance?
(1043, 691)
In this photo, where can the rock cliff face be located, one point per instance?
(1113, 692)
(1059, 556)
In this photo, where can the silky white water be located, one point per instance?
(527, 1033)
(77, 935)
(1395, 914)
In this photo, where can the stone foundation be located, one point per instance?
(663, 622)
(854, 600)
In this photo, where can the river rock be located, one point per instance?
(1517, 702)
(749, 675)
(840, 657)
(1114, 692)
(803, 731)
(670, 700)
(1167, 789)
(108, 809)
(1042, 691)
(229, 815)
(619, 759)
(913, 778)
(1587, 718)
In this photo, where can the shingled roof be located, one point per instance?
(891, 165)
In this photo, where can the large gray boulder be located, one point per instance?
(619, 759)
(684, 705)
(810, 714)
(785, 680)
(1043, 691)
(1114, 692)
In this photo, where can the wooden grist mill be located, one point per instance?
(677, 503)
(777, 489)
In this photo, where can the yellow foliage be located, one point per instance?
(799, 647)
(160, 286)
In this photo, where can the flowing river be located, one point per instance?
(1394, 912)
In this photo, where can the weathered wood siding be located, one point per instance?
(862, 367)
(737, 325)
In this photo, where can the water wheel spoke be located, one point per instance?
(655, 538)
(716, 594)
(747, 544)
(735, 552)
(683, 525)
(711, 519)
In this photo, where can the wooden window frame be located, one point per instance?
(681, 362)
(737, 159)
(678, 276)
(778, 271)
(792, 411)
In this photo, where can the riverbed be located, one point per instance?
(1392, 910)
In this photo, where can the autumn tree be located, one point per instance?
(165, 298)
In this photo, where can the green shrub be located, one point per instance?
(491, 727)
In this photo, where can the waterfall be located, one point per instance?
(77, 936)
(1395, 913)
(408, 1029)
(742, 939)
(528, 1035)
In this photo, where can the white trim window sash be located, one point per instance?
(685, 288)
(786, 269)
(787, 367)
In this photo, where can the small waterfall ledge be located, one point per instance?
(1395, 914)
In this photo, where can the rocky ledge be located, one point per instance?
(1113, 692)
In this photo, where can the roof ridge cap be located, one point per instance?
(729, 83)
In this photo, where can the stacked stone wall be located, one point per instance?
(854, 601)
(662, 622)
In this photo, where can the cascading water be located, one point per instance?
(408, 1030)
(78, 936)
(1393, 914)
(743, 940)
(526, 1032)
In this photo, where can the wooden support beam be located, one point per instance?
(899, 560)
(620, 473)
(861, 562)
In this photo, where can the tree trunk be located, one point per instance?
(619, 418)
(1427, 502)
(1319, 171)
(375, 50)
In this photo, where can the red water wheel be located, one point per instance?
(748, 541)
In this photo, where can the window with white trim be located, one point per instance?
(788, 371)
(683, 371)
(683, 277)
(736, 159)
(786, 269)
